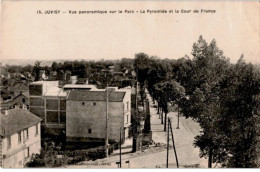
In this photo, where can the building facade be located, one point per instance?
(86, 115)
(20, 137)
(48, 101)
(79, 110)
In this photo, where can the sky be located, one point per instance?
(26, 35)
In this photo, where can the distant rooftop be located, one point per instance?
(44, 82)
(71, 86)
(17, 120)
(85, 95)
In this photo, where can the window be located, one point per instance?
(63, 117)
(35, 90)
(36, 102)
(37, 130)
(89, 131)
(27, 152)
(52, 104)
(23, 100)
(83, 103)
(94, 104)
(26, 134)
(52, 117)
(62, 104)
(20, 137)
(9, 142)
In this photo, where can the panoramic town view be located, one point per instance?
(199, 111)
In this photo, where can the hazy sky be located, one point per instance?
(27, 35)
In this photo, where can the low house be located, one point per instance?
(86, 114)
(20, 137)
(21, 100)
(19, 87)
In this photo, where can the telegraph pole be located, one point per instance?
(120, 159)
(135, 129)
(168, 138)
(178, 119)
(169, 123)
(106, 139)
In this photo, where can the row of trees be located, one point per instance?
(222, 97)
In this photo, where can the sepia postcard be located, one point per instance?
(129, 84)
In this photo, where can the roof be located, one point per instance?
(17, 120)
(19, 82)
(25, 94)
(78, 86)
(84, 95)
(55, 92)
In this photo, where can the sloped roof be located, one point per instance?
(25, 94)
(17, 120)
(84, 95)
(19, 82)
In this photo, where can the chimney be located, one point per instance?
(24, 107)
(73, 79)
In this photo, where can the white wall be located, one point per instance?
(16, 154)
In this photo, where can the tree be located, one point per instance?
(142, 64)
(202, 101)
(36, 70)
(240, 89)
(169, 92)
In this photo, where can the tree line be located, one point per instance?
(222, 97)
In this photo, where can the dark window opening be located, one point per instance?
(62, 104)
(52, 116)
(52, 104)
(83, 103)
(94, 104)
(28, 152)
(27, 133)
(89, 131)
(63, 117)
(9, 142)
(37, 130)
(23, 100)
(20, 137)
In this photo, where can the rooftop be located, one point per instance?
(55, 92)
(84, 95)
(17, 120)
(78, 86)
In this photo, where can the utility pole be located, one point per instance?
(135, 129)
(173, 144)
(178, 119)
(168, 138)
(120, 159)
(106, 139)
